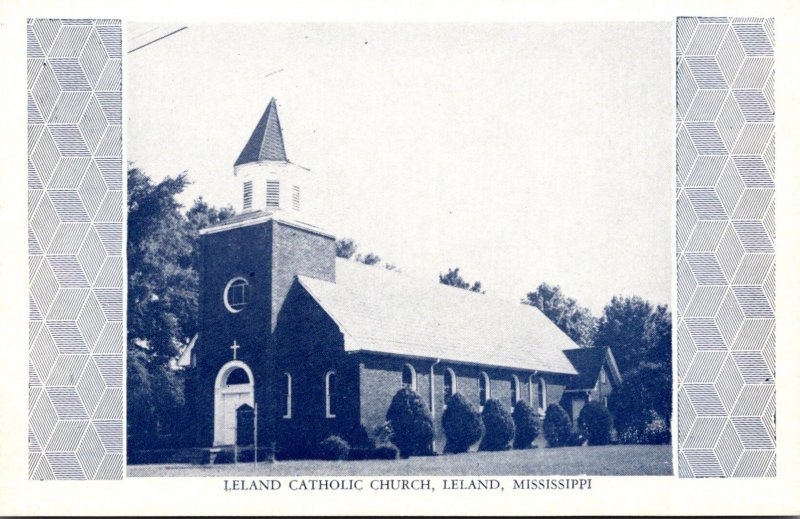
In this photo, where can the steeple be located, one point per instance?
(266, 141)
(269, 181)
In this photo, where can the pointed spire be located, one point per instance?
(266, 142)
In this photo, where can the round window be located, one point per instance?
(236, 295)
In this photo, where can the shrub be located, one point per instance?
(412, 424)
(498, 425)
(556, 426)
(462, 424)
(385, 452)
(647, 427)
(576, 439)
(594, 423)
(526, 423)
(333, 448)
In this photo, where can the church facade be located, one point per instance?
(315, 345)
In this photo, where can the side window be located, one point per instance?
(485, 388)
(287, 395)
(409, 377)
(330, 395)
(449, 385)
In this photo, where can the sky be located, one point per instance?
(521, 153)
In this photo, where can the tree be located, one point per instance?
(412, 424)
(162, 283)
(622, 327)
(163, 253)
(574, 320)
(345, 248)
(644, 390)
(369, 258)
(462, 424)
(454, 279)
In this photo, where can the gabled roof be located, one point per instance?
(588, 362)
(388, 312)
(266, 142)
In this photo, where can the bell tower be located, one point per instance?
(269, 181)
(249, 264)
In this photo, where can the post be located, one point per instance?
(255, 435)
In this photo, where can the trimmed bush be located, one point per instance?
(499, 427)
(333, 448)
(556, 427)
(594, 423)
(462, 424)
(412, 424)
(526, 423)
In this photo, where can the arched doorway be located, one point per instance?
(233, 389)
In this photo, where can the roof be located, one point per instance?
(266, 141)
(388, 312)
(588, 362)
(261, 216)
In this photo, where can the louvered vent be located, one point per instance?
(248, 195)
(273, 193)
(296, 198)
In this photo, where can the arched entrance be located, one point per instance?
(233, 389)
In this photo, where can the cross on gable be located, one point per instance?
(234, 347)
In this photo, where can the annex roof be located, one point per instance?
(266, 141)
(388, 312)
(588, 362)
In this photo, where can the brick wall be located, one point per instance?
(381, 378)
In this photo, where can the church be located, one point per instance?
(308, 345)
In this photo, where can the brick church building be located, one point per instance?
(320, 345)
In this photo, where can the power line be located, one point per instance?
(157, 39)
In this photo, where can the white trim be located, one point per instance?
(488, 392)
(543, 392)
(287, 379)
(516, 390)
(225, 294)
(453, 383)
(328, 413)
(262, 219)
(413, 376)
(221, 389)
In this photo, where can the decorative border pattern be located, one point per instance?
(75, 249)
(725, 247)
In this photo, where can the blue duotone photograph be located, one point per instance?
(400, 249)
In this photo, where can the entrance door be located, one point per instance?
(233, 389)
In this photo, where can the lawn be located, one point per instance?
(611, 460)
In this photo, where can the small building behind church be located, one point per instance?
(320, 345)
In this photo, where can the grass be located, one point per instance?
(610, 460)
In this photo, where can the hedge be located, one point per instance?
(526, 423)
(594, 423)
(412, 424)
(556, 427)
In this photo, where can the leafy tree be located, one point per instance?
(556, 427)
(526, 423)
(462, 424)
(369, 258)
(645, 389)
(412, 424)
(499, 426)
(454, 279)
(622, 327)
(345, 248)
(163, 251)
(162, 283)
(574, 320)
